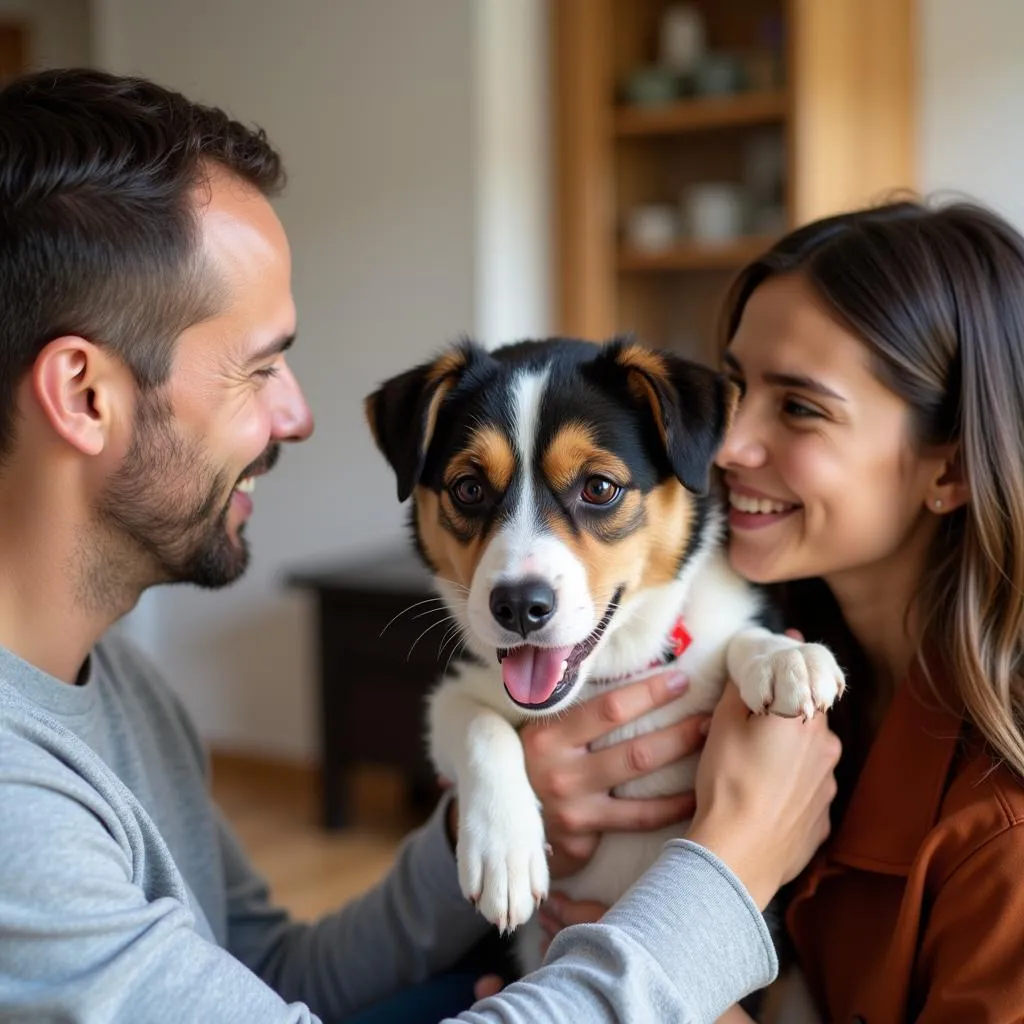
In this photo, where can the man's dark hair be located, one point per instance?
(99, 226)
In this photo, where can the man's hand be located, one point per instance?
(574, 783)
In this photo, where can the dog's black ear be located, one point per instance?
(692, 405)
(402, 412)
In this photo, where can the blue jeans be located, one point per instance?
(447, 995)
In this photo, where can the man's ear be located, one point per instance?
(402, 412)
(74, 384)
(692, 405)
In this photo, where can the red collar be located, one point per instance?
(675, 645)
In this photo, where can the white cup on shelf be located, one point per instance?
(652, 227)
(714, 211)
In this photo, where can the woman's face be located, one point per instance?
(822, 477)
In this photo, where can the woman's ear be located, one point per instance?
(948, 490)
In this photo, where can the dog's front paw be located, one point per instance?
(502, 857)
(792, 680)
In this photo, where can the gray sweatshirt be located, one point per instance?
(125, 897)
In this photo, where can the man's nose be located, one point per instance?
(293, 420)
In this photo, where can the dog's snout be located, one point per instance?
(523, 607)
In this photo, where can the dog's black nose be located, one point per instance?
(523, 607)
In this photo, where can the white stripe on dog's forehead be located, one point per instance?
(527, 395)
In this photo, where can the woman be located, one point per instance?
(880, 356)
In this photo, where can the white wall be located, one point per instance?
(414, 140)
(971, 81)
(513, 266)
(58, 30)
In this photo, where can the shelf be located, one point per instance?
(702, 114)
(696, 256)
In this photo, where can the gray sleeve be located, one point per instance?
(82, 939)
(683, 945)
(415, 923)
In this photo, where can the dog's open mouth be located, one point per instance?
(537, 677)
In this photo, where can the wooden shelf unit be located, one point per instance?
(845, 115)
(695, 256)
(695, 115)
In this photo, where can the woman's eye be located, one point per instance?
(467, 490)
(798, 410)
(599, 490)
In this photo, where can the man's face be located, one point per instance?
(183, 492)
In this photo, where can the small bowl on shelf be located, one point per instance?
(649, 86)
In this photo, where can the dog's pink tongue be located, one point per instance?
(532, 673)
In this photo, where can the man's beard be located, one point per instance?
(171, 506)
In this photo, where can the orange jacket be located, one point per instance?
(914, 910)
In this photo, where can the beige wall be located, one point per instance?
(371, 104)
(59, 32)
(971, 139)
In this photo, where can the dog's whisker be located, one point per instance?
(431, 611)
(454, 651)
(404, 611)
(453, 631)
(433, 625)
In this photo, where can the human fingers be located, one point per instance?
(561, 911)
(588, 721)
(638, 814)
(487, 985)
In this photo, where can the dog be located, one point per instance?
(563, 500)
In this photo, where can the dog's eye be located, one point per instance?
(467, 490)
(599, 490)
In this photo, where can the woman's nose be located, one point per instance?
(744, 444)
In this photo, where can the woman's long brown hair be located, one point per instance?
(937, 295)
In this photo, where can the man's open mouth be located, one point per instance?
(538, 677)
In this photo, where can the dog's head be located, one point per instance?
(553, 482)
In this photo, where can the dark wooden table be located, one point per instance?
(375, 670)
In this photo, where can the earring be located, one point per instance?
(938, 503)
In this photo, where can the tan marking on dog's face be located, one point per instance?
(448, 365)
(432, 410)
(453, 559)
(446, 370)
(574, 451)
(646, 367)
(670, 511)
(647, 556)
(633, 357)
(489, 450)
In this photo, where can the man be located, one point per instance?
(147, 312)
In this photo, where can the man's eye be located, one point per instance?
(467, 490)
(266, 372)
(599, 490)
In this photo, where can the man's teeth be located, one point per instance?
(246, 486)
(745, 503)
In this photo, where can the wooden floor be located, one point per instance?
(273, 808)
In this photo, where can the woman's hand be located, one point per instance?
(558, 912)
(764, 785)
(574, 783)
